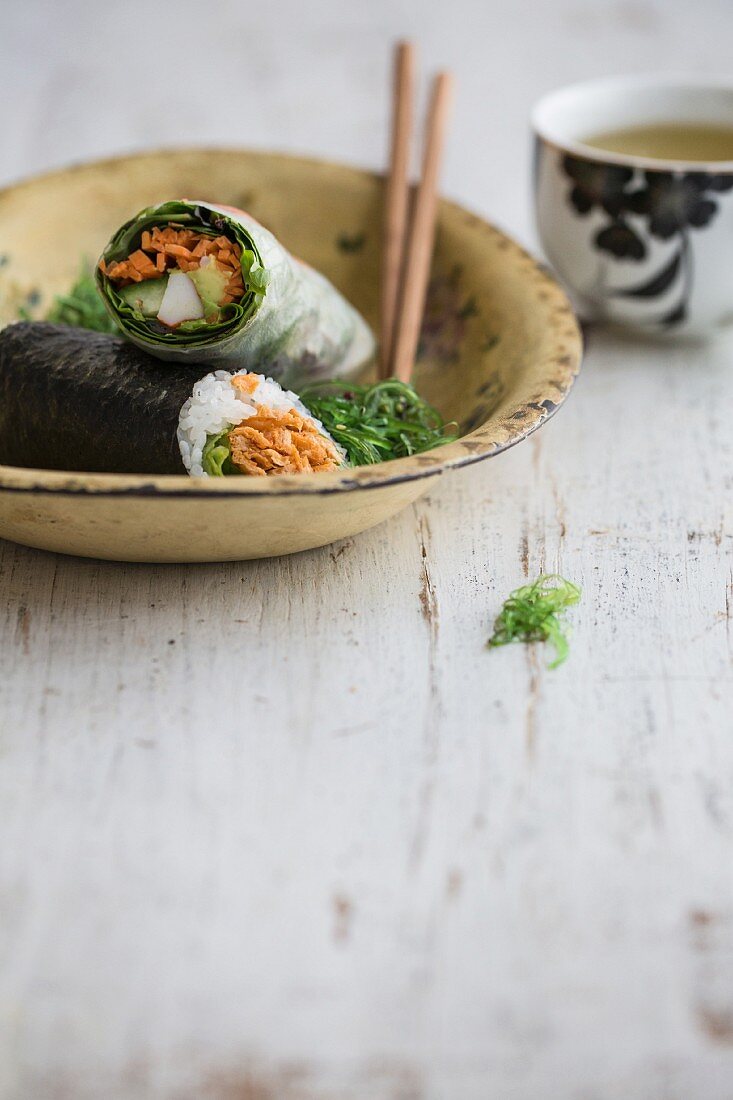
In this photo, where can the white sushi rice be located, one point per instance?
(215, 405)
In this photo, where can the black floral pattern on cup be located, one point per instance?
(620, 240)
(670, 204)
(597, 184)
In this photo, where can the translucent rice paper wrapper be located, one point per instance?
(292, 323)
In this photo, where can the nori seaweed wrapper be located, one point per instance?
(71, 399)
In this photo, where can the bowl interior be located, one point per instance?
(499, 345)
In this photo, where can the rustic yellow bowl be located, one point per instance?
(499, 351)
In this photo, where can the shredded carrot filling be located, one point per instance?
(276, 441)
(164, 249)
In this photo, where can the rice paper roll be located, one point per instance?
(72, 399)
(187, 280)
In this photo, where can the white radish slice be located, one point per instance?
(180, 301)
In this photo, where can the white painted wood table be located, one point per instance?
(285, 830)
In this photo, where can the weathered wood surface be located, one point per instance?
(285, 830)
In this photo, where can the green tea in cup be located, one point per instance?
(682, 141)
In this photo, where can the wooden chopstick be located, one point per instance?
(397, 197)
(422, 234)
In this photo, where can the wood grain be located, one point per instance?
(397, 198)
(421, 235)
(285, 830)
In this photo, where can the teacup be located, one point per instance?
(638, 240)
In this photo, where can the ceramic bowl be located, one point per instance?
(641, 242)
(499, 350)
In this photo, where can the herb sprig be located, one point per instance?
(377, 422)
(536, 613)
(82, 307)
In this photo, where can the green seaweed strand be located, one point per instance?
(536, 613)
(378, 422)
(82, 307)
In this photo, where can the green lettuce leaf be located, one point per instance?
(217, 455)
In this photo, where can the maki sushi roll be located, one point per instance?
(76, 399)
(188, 281)
(72, 399)
(245, 423)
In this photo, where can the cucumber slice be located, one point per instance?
(146, 297)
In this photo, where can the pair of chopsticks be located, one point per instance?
(409, 228)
